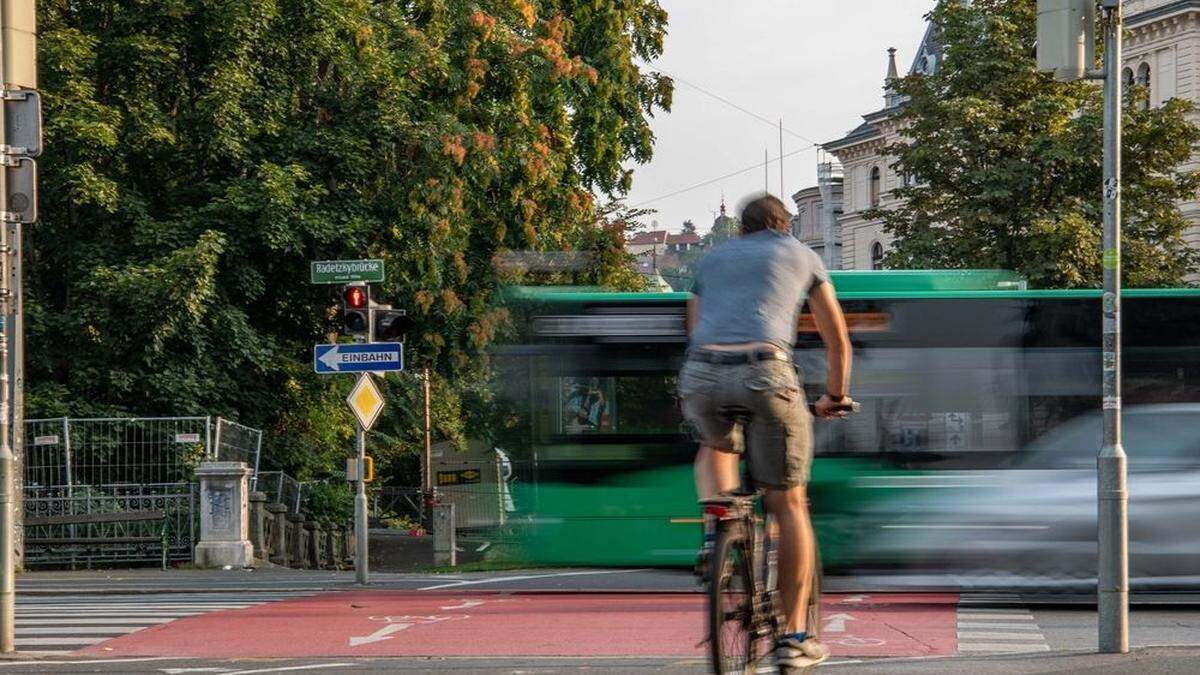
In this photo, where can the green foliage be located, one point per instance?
(329, 503)
(1009, 163)
(200, 154)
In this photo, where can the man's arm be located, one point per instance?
(831, 324)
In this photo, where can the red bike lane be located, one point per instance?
(447, 624)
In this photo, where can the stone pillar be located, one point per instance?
(279, 548)
(444, 550)
(314, 543)
(224, 515)
(331, 552)
(298, 553)
(258, 525)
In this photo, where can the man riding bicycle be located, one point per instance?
(742, 320)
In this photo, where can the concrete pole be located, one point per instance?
(1113, 581)
(361, 566)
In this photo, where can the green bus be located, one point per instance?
(958, 372)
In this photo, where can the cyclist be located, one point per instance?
(742, 319)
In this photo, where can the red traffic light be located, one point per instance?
(355, 296)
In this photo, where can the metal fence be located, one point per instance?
(159, 539)
(238, 443)
(119, 450)
(281, 488)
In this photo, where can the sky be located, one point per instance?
(817, 64)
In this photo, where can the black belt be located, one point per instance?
(738, 357)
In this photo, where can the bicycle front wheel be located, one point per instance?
(731, 604)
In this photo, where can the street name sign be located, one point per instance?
(346, 271)
(367, 357)
(365, 401)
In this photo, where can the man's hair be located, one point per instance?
(765, 213)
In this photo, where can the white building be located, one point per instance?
(1162, 52)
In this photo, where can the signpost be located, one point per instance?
(367, 357)
(346, 271)
(366, 402)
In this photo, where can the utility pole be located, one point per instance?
(21, 140)
(427, 458)
(1066, 40)
(782, 189)
(1113, 581)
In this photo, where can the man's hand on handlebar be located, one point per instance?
(829, 407)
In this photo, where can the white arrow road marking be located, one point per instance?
(331, 360)
(465, 604)
(855, 598)
(837, 623)
(384, 633)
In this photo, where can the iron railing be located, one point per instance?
(166, 539)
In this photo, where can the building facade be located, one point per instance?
(1161, 53)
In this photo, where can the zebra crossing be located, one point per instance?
(62, 624)
(989, 623)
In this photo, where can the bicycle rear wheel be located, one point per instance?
(731, 603)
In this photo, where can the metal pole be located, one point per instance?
(360, 509)
(1113, 580)
(427, 463)
(782, 189)
(7, 458)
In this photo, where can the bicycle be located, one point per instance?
(744, 621)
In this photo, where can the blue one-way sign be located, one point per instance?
(373, 357)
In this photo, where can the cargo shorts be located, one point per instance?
(769, 394)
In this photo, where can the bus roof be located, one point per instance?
(863, 285)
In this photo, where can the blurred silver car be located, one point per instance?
(1034, 523)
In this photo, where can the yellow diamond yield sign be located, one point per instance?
(365, 401)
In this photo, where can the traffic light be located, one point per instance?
(391, 325)
(1066, 38)
(356, 309)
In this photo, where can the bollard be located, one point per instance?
(444, 553)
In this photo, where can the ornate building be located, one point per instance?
(1162, 48)
(1162, 52)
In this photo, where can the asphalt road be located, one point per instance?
(1147, 661)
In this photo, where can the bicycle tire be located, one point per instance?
(731, 603)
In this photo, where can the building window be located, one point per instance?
(1127, 78)
(876, 185)
(1143, 80)
(877, 256)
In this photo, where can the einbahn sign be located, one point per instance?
(346, 271)
(367, 357)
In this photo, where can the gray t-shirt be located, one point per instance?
(751, 289)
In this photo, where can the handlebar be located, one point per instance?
(851, 407)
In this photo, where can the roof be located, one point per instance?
(863, 132)
(648, 238)
(684, 238)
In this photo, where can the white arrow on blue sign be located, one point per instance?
(370, 357)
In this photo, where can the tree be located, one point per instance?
(200, 154)
(689, 227)
(1007, 163)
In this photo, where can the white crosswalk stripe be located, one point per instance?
(984, 628)
(63, 624)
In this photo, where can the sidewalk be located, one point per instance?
(1143, 660)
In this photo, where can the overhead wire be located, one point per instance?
(751, 113)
